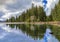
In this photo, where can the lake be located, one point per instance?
(29, 33)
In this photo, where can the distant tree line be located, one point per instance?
(37, 14)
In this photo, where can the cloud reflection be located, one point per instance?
(6, 30)
(49, 37)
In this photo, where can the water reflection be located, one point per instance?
(35, 31)
(48, 37)
(29, 33)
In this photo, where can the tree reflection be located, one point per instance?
(37, 31)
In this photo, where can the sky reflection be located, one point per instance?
(8, 34)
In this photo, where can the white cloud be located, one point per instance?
(37, 2)
(8, 15)
(2, 2)
(10, 1)
(50, 5)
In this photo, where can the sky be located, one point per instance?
(9, 8)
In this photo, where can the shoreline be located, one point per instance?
(52, 22)
(56, 23)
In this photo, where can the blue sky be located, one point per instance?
(9, 8)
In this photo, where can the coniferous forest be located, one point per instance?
(37, 14)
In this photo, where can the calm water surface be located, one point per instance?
(29, 33)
